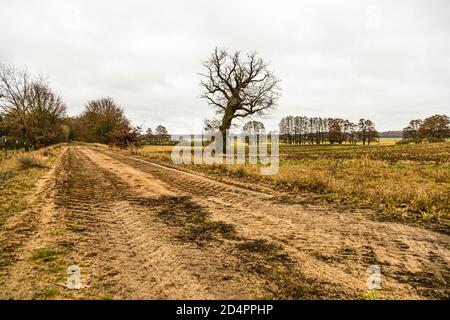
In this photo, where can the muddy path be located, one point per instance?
(139, 230)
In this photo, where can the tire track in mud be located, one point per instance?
(159, 244)
(122, 255)
(332, 246)
(143, 231)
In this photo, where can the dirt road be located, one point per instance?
(139, 230)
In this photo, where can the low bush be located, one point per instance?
(26, 161)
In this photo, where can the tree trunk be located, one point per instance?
(223, 130)
(226, 125)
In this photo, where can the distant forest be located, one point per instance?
(391, 134)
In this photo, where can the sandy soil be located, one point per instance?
(140, 230)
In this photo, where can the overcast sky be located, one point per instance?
(384, 60)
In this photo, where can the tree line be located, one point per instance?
(32, 116)
(237, 86)
(104, 121)
(317, 130)
(160, 136)
(432, 129)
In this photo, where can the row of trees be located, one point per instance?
(433, 129)
(235, 85)
(32, 115)
(316, 130)
(104, 121)
(159, 136)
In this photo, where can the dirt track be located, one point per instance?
(142, 230)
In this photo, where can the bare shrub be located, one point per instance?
(26, 161)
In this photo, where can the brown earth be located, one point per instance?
(140, 230)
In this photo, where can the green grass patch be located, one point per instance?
(371, 295)
(45, 294)
(44, 255)
(18, 176)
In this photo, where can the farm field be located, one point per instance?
(388, 141)
(139, 229)
(409, 183)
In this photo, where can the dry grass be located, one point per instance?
(388, 141)
(27, 161)
(406, 190)
(409, 183)
(152, 152)
(18, 176)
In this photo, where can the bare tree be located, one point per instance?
(238, 87)
(210, 126)
(435, 128)
(148, 137)
(46, 114)
(367, 132)
(336, 131)
(126, 137)
(33, 113)
(15, 90)
(162, 135)
(302, 130)
(350, 130)
(253, 127)
(101, 118)
(284, 130)
(412, 131)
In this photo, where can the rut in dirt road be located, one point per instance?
(123, 254)
(143, 241)
(129, 253)
(335, 247)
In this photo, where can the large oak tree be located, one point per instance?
(435, 128)
(238, 86)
